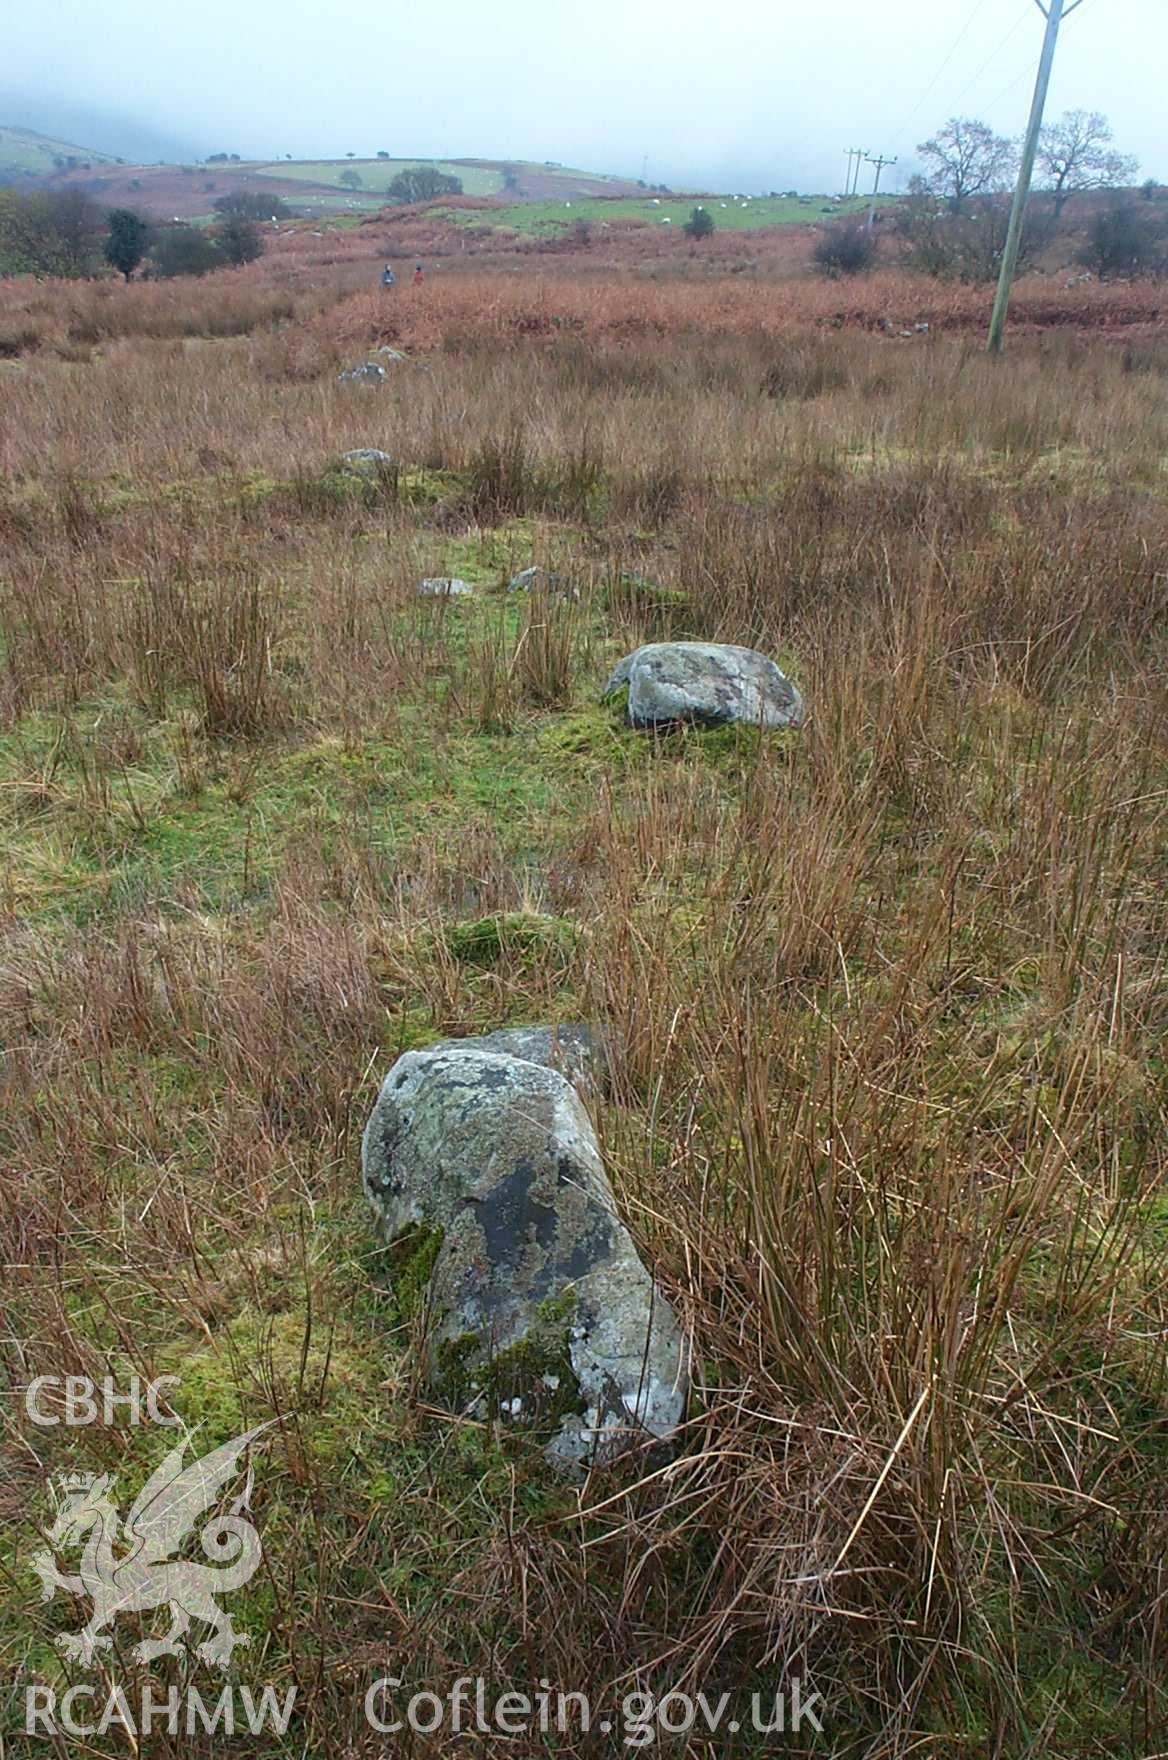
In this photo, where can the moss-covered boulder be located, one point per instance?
(578, 1050)
(710, 683)
(541, 1309)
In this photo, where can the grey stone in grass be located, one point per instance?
(371, 373)
(579, 1051)
(540, 1308)
(530, 580)
(444, 587)
(710, 683)
(367, 461)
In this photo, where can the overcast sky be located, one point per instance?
(753, 94)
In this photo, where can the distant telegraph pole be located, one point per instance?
(1054, 13)
(855, 157)
(880, 162)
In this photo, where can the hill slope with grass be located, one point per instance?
(188, 190)
(522, 181)
(25, 153)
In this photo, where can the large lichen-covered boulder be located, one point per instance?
(707, 682)
(579, 1051)
(541, 1311)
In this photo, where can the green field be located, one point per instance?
(375, 174)
(35, 155)
(549, 217)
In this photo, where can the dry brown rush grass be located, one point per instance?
(888, 997)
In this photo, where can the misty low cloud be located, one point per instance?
(752, 94)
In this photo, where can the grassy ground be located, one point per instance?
(23, 150)
(476, 179)
(889, 996)
(377, 173)
(539, 218)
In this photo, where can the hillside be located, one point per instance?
(479, 177)
(25, 153)
(313, 186)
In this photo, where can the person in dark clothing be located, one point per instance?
(387, 276)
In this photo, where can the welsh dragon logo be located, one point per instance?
(146, 1575)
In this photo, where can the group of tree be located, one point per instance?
(194, 250)
(966, 159)
(422, 183)
(49, 232)
(65, 232)
(251, 204)
(955, 216)
(964, 243)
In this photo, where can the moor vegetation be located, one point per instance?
(887, 997)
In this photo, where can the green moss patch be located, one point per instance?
(483, 941)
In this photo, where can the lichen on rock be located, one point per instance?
(537, 1292)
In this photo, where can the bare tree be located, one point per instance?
(1075, 154)
(966, 158)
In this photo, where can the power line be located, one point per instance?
(958, 40)
(1010, 34)
(1025, 73)
(1012, 87)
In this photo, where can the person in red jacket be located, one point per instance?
(418, 276)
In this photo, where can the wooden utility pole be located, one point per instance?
(855, 155)
(1054, 13)
(880, 162)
